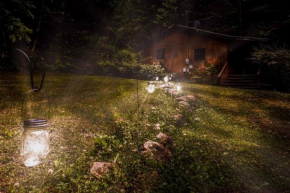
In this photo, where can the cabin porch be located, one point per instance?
(239, 72)
(239, 77)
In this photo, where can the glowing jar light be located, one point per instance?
(35, 137)
(166, 79)
(157, 78)
(34, 142)
(178, 87)
(151, 87)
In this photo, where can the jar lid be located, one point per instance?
(35, 123)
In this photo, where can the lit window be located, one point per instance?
(199, 54)
(160, 53)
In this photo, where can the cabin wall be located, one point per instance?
(176, 43)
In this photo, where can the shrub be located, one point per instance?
(206, 74)
(126, 63)
(274, 63)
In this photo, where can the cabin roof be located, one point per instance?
(210, 33)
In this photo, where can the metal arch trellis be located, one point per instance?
(33, 87)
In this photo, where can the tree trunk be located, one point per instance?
(37, 31)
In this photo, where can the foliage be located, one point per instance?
(99, 57)
(274, 63)
(11, 24)
(167, 15)
(206, 73)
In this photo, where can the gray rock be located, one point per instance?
(165, 139)
(182, 98)
(178, 119)
(173, 92)
(157, 150)
(185, 104)
(190, 97)
(99, 169)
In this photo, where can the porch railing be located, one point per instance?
(223, 73)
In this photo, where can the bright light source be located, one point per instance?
(178, 87)
(157, 78)
(151, 87)
(166, 79)
(35, 142)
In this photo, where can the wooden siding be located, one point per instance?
(175, 43)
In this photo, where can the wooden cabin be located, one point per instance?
(181, 49)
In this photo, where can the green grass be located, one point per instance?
(230, 140)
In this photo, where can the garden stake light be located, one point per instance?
(166, 79)
(151, 87)
(35, 138)
(178, 87)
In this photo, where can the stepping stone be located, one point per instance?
(178, 119)
(190, 97)
(166, 90)
(99, 169)
(185, 104)
(159, 152)
(165, 139)
(172, 91)
(186, 98)
(182, 98)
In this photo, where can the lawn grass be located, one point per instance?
(229, 140)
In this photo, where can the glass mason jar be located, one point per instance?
(35, 137)
(34, 142)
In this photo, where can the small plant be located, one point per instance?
(205, 74)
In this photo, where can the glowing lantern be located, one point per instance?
(157, 78)
(151, 87)
(35, 138)
(184, 69)
(178, 87)
(166, 79)
(35, 142)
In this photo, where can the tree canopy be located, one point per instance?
(128, 20)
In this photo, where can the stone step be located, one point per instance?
(242, 75)
(241, 81)
(245, 86)
(245, 81)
